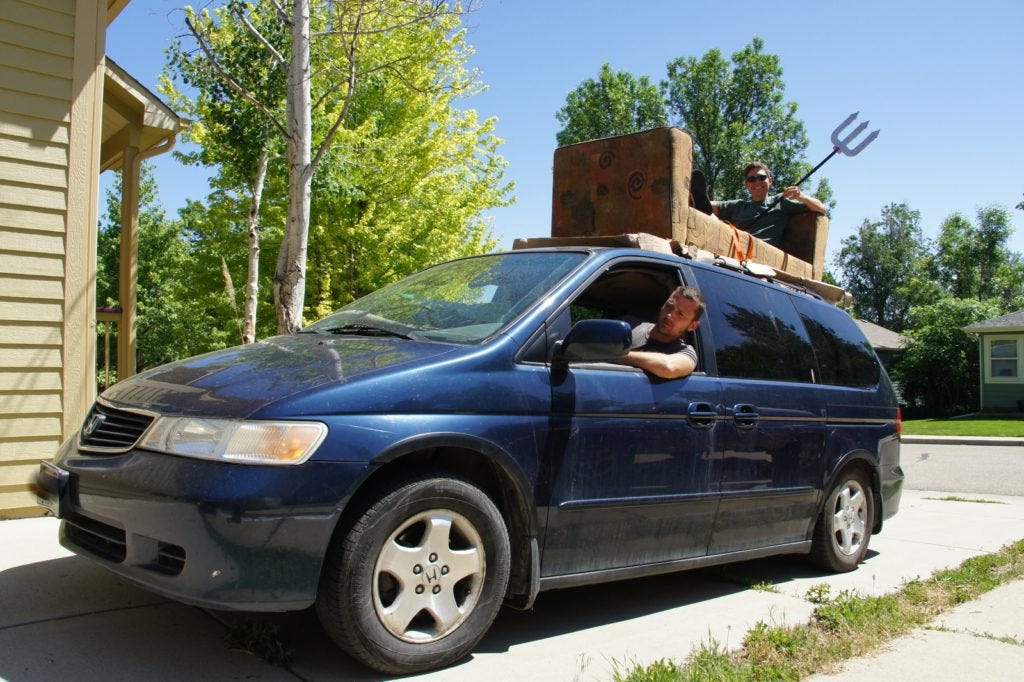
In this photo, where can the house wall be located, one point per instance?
(51, 55)
(1001, 394)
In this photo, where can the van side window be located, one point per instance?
(845, 357)
(756, 330)
(629, 289)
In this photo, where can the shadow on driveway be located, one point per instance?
(71, 618)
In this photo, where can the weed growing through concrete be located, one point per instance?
(764, 586)
(260, 639)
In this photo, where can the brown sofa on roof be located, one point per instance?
(641, 183)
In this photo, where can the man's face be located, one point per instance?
(758, 183)
(676, 318)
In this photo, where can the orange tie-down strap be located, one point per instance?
(737, 244)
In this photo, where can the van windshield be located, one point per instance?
(462, 301)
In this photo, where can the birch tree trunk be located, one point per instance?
(290, 277)
(252, 282)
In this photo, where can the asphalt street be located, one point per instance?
(977, 469)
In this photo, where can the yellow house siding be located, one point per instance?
(28, 80)
(55, 17)
(79, 323)
(50, 100)
(34, 266)
(42, 62)
(36, 220)
(33, 150)
(15, 125)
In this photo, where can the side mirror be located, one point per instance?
(595, 341)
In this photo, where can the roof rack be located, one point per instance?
(641, 240)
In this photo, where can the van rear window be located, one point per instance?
(845, 358)
(757, 332)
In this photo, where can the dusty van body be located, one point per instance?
(464, 438)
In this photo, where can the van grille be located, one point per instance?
(111, 543)
(110, 429)
(98, 538)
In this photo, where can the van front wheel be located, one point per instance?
(418, 578)
(843, 528)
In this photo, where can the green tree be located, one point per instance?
(216, 230)
(972, 259)
(411, 176)
(233, 134)
(736, 113)
(886, 266)
(338, 44)
(615, 103)
(331, 52)
(938, 371)
(175, 320)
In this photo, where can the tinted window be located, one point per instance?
(756, 330)
(845, 357)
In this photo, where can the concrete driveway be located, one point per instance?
(63, 617)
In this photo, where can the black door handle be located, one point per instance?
(745, 415)
(701, 415)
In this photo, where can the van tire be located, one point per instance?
(844, 524)
(418, 578)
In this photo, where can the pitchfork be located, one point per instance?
(838, 145)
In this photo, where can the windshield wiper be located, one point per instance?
(370, 330)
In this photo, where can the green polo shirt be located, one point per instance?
(770, 226)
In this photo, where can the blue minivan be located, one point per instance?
(464, 438)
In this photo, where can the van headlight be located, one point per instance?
(238, 441)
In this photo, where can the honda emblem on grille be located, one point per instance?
(93, 424)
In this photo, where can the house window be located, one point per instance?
(1004, 358)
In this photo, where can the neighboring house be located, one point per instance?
(887, 343)
(66, 114)
(1000, 354)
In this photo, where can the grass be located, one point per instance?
(842, 626)
(965, 426)
(957, 498)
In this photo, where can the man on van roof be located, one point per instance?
(754, 216)
(658, 347)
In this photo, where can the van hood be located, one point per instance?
(237, 382)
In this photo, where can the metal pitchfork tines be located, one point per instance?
(838, 145)
(843, 145)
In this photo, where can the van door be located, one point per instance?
(631, 457)
(772, 435)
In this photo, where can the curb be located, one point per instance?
(959, 440)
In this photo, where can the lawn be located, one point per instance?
(965, 426)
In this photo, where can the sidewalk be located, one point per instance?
(961, 642)
(61, 616)
(961, 440)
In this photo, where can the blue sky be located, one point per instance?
(943, 82)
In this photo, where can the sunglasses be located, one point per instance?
(757, 178)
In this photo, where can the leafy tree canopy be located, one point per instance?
(411, 176)
(736, 112)
(886, 266)
(403, 173)
(939, 368)
(615, 103)
(972, 259)
(176, 318)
